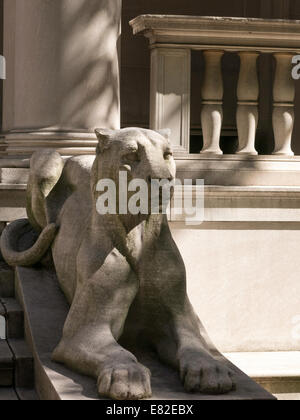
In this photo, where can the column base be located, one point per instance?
(247, 153)
(20, 145)
(211, 152)
(240, 169)
(284, 154)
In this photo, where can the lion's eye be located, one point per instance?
(168, 155)
(131, 157)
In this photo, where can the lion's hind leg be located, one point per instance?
(46, 168)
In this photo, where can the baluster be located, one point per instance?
(283, 113)
(212, 101)
(247, 111)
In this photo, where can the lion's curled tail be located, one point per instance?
(10, 238)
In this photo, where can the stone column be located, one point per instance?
(247, 111)
(212, 100)
(62, 74)
(283, 96)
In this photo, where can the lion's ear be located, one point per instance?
(166, 133)
(104, 136)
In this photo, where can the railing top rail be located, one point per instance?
(228, 33)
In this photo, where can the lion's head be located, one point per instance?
(143, 154)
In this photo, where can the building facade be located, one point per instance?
(74, 65)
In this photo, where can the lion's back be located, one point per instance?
(74, 213)
(77, 171)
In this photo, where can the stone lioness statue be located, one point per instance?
(122, 274)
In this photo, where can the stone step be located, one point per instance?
(23, 364)
(287, 397)
(21, 394)
(6, 365)
(8, 394)
(277, 372)
(16, 365)
(7, 281)
(16, 361)
(26, 394)
(14, 316)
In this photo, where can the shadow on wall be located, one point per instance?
(135, 75)
(67, 67)
(94, 87)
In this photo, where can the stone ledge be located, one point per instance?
(45, 312)
(8, 394)
(242, 204)
(12, 201)
(267, 204)
(14, 176)
(227, 170)
(277, 372)
(234, 34)
(234, 170)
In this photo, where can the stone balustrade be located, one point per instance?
(172, 38)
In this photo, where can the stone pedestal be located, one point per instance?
(45, 311)
(62, 74)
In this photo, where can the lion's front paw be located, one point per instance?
(201, 373)
(125, 382)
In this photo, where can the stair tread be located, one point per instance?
(277, 372)
(7, 284)
(6, 365)
(288, 397)
(268, 364)
(11, 304)
(2, 309)
(24, 364)
(6, 357)
(14, 316)
(8, 394)
(16, 360)
(20, 348)
(26, 394)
